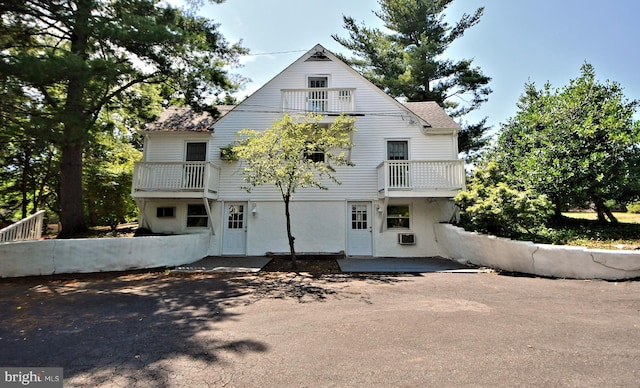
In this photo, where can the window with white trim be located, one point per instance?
(398, 217)
(196, 151)
(317, 99)
(197, 216)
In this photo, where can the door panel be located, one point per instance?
(234, 239)
(359, 239)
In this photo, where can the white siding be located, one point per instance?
(170, 147)
(382, 119)
(319, 216)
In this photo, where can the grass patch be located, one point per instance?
(583, 229)
(630, 218)
(587, 232)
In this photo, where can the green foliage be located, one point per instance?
(492, 206)
(107, 180)
(407, 59)
(634, 207)
(28, 161)
(280, 156)
(228, 154)
(71, 59)
(578, 145)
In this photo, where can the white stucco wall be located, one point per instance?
(47, 257)
(537, 259)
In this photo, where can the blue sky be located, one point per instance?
(516, 40)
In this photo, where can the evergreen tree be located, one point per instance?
(74, 57)
(408, 61)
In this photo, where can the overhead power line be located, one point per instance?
(274, 53)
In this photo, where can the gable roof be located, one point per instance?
(179, 119)
(433, 114)
(185, 119)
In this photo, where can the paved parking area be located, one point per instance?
(275, 330)
(349, 265)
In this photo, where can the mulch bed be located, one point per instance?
(311, 265)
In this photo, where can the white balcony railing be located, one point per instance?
(321, 100)
(421, 176)
(175, 177)
(29, 228)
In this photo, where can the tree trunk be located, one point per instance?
(603, 211)
(557, 212)
(294, 263)
(76, 126)
(71, 211)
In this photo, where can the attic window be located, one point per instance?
(318, 56)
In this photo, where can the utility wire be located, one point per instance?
(274, 53)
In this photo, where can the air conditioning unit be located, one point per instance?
(406, 239)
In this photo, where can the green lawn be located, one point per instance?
(631, 218)
(585, 232)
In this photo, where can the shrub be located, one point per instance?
(492, 206)
(633, 207)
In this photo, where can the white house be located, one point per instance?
(406, 171)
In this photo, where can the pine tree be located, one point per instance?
(409, 60)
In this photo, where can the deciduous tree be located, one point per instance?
(578, 145)
(295, 154)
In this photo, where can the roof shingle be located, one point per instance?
(185, 119)
(433, 114)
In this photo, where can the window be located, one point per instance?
(197, 216)
(165, 212)
(196, 152)
(398, 217)
(317, 99)
(397, 150)
(318, 82)
(359, 217)
(314, 155)
(236, 217)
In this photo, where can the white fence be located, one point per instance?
(48, 257)
(557, 261)
(29, 228)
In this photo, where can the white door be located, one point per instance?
(234, 238)
(360, 229)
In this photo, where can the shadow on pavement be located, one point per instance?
(111, 325)
(124, 328)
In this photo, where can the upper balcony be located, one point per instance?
(420, 178)
(175, 180)
(320, 100)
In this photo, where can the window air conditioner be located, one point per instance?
(406, 238)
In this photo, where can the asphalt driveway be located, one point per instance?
(273, 330)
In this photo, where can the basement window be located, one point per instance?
(166, 212)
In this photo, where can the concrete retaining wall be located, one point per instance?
(47, 257)
(537, 259)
